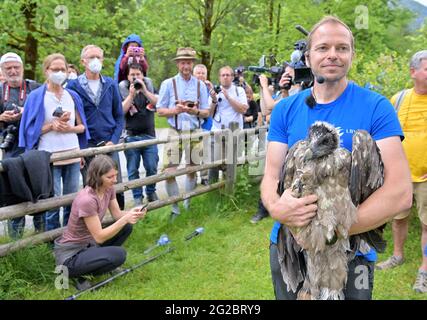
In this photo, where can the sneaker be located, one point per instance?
(82, 284)
(420, 284)
(390, 263)
(258, 217)
(152, 197)
(204, 182)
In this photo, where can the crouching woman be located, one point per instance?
(86, 248)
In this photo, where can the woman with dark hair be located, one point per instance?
(86, 247)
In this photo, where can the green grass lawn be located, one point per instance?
(160, 122)
(229, 261)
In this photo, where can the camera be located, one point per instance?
(217, 88)
(137, 84)
(189, 104)
(13, 107)
(8, 141)
(275, 71)
(136, 50)
(58, 112)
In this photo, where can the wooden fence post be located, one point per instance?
(231, 168)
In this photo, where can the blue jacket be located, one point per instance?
(130, 38)
(105, 122)
(33, 119)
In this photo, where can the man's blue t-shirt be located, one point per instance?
(356, 108)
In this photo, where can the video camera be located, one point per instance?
(303, 74)
(275, 71)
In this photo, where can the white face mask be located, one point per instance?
(72, 76)
(95, 65)
(57, 77)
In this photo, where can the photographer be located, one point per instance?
(183, 99)
(132, 51)
(137, 93)
(230, 104)
(287, 88)
(13, 94)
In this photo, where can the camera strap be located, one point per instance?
(22, 92)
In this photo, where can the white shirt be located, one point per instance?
(94, 85)
(54, 141)
(225, 113)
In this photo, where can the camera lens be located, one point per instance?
(137, 85)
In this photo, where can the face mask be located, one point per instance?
(95, 65)
(72, 76)
(57, 77)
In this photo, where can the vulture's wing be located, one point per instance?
(288, 170)
(291, 259)
(367, 169)
(367, 175)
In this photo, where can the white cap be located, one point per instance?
(9, 57)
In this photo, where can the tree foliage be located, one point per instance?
(223, 32)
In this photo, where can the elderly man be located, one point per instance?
(183, 99)
(102, 104)
(13, 93)
(411, 104)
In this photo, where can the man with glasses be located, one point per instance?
(229, 105)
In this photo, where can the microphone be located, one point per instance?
(296, 56)
(320, 79)
(195, 233)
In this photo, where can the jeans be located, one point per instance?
(150, 159)
(16, 226)
(69, 176)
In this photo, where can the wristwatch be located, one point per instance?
(198, 112)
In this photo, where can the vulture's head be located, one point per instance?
(323, 139)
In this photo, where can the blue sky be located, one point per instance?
(424, 2)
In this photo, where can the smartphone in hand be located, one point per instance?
(143, 207)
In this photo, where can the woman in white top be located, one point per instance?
(55, 122)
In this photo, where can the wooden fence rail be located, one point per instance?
(22, 209)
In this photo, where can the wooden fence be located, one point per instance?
(231, 136)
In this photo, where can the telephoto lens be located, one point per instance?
(137, 84)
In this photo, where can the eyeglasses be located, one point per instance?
(226, 75)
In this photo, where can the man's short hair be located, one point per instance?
(226, 68)
(89, 46)
(200, 66)
(135, 66)
(325, 20)
(417, 58)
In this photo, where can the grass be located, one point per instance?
(229, 261)
(160, 122)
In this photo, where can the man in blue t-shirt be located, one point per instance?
(330, 50)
